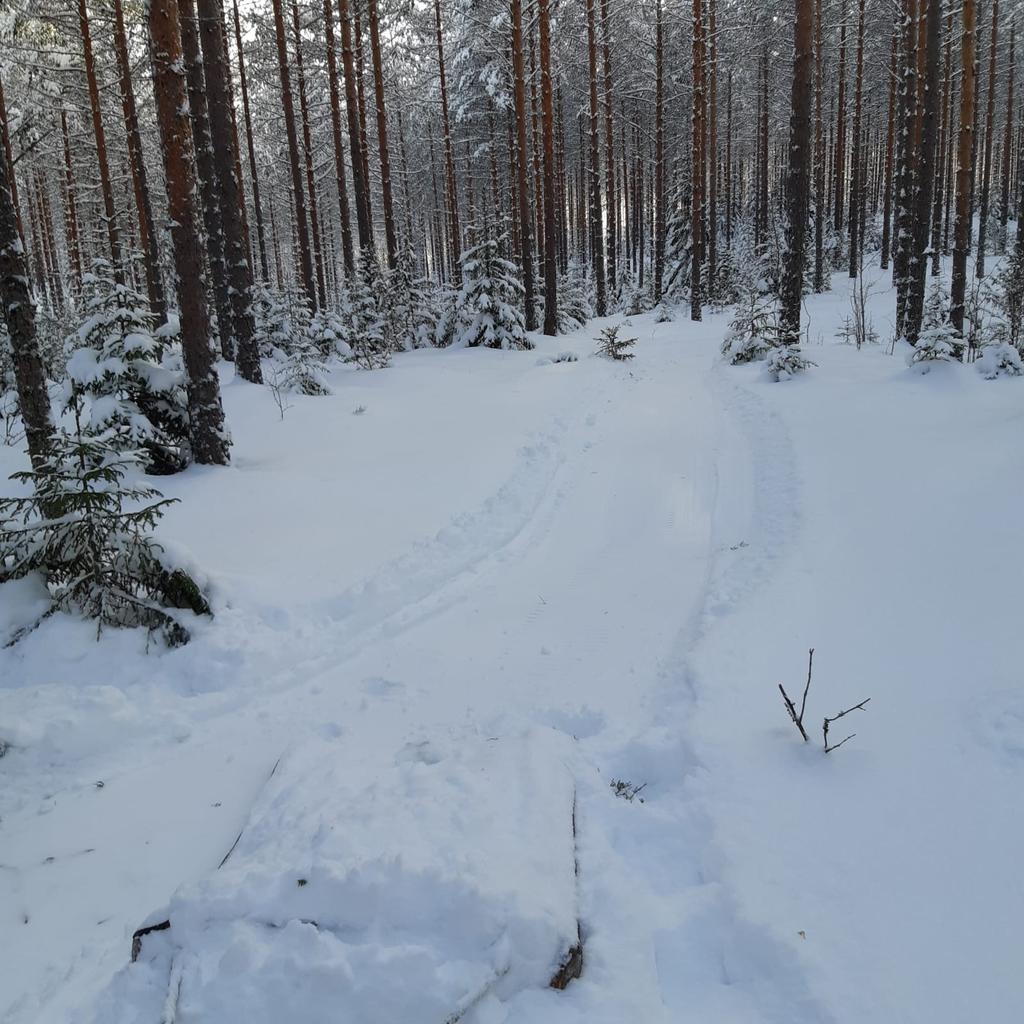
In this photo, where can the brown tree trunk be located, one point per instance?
(106, 186)
(522, 156)
(455, 235)
(316, 239)
(1004, 204)
(382, 136)
(728, 161)
(147, 231)
(839, 177)
(856, 183)
(819, 152)
(906, 180)
(231, 203)
(798, 181)
(986, 169)
(305, 256)
(5, 138)
(940, 177)
(547, 129)
(659, 151)
(596, 218)
(926, 173)
(962, 229)
(19, 314)
(336, 138)
(70, 208)
(889, 146)
(712, 158)
(203, 155)
(359, 182)
(364, 145)
(250, 148)
(697, 166)
(210, 442)
(609, 150)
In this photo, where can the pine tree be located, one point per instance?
(132, 376)
(488, 308)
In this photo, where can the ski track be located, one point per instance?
(691, 953)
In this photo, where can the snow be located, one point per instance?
(510, 581)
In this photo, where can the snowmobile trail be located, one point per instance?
(571, 596)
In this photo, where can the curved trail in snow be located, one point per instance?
(575, 596)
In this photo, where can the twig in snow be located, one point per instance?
(798, 719)
(835, 718)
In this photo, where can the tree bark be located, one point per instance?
(839, 177)
(596, 218)
(19, 314)
(231, 203)
(659, 151)
(250, 148)
(336, 138)
(522, 157)
(819, 151)
(210, 442)
(391, 237)
(547, 129)
(106, 186)
(455, 234)
(147, 230)
(986, 168)
(908, 159)
(359, 183)
(712, 158)
(305, 256)
(962, 228)
(798, 180)
(1004, 204)
(697, 164)
(856, 184)
(889, 147)
(609, 151)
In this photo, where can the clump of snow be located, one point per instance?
(328, 909)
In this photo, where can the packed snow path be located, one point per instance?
(633, 554)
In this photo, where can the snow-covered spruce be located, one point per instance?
(611, 346)
(488, 309)
(131, 372)
(575, 298)
(753, 329)
(1001, 333)
(292, 341)
(86, 533)
(938, 341)
(784, 362)
(368, 328)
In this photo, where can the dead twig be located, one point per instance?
(798, 719)
(835, 718)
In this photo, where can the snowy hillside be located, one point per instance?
(608, 568)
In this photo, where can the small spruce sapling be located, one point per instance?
(1002, 330)
(488, 310)
(611, 346)
(368, 330)
(938, 341)
(87, 533)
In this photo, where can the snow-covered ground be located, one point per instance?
(623, 560)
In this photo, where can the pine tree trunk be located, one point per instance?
(106, 186)
(5, 138)
(316, 239)
(336, 138)
(928, 159)
(70, 208)
(207, 183)
(359, 183)
(798, 180)
(856, 183)
(382, 136)
(697, 165)
(729, 198)
(547, 130)
(147, 231)
(231, 204)
(940, 177)
(596, 217)
(659, 151)
(210, 443)
(1004, 203)
(364, 145)
(712, 160)
(986, 169)
(305, 256)
(819, 152)
(455, 234)
(890, 135)
(962, 229)
(839, 177)
(250, 148)
(19, 314)
(522, 158)
(609, 151)
(906, 178)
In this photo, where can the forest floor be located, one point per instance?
(633, 555)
